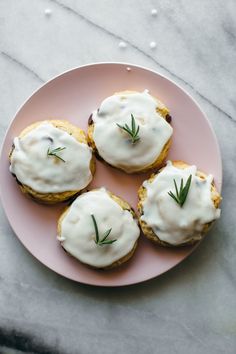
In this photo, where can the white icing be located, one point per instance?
(154, 12)
(60, 238)
(78, 232)
(114, 144)
(152, 45)
(122, 45)
(48, 174)
(169, 221)
(48, 12)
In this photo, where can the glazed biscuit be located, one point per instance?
(131, 131)
(52, 161)
(115, 221)
(175, 225)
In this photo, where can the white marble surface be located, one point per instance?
(190, 309)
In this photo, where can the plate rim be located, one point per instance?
(127, 64)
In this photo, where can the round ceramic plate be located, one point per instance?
(73, 96)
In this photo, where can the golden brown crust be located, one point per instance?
(162, 110)
(125, 206)
(52, 198)
(148, 231)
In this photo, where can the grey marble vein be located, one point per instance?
(190, 309)
(134, 46)
(21, 65)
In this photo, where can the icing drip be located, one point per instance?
(114, 145)
(154, 12)
(169, 221)
(122, 45)
(153, 45)
(48, 12)
(47, 174)
(78, 235)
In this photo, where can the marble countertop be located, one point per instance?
(190, 309)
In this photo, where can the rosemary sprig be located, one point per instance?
(103, 240)
(54, 152)
(133, 131)
(182, 193)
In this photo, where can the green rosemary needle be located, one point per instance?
(103, 240)
(132, 131)
(54, 153)
(182, 192)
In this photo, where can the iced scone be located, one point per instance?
(131, 131)
(99, 229)
(52, 161)
(178, 205)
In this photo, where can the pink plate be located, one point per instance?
(73, 96)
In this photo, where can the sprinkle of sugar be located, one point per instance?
(152, 45)
(122, 44)
(48, 12)
(128, 68)
(154, 12)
